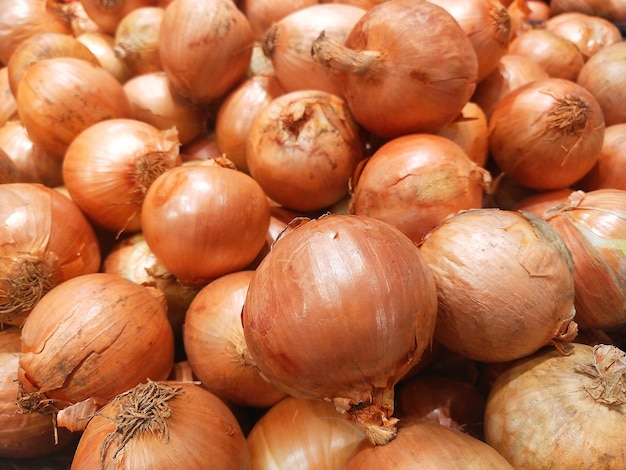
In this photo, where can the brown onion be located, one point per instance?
(539, 10)
(415, 181)
(109, 167)
(546, 134)
(59, 98)
(469, 131)
(203, 147)
(8, 105)
(294, 335)
(301, 433)
(93, 337)
(608, 171)
(593, 227)
(163, 425)
(205, 47)
(108, 14)
(425, 62)
(507, 296)
(101, 46)
(214, 344)
(46, 241)
(263, 13)
(540, 202)
(604, 75)
(73, 12)
(560, 411)
(8, 171)
(589, 7)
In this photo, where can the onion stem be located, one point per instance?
(336, 56)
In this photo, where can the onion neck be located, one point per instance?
(336, 56)
(605, 378)
(374, 416)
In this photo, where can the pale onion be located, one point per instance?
(109, 167)
(469, 131)
(59, 98)
(487, 24)
(108, 14)
(214, 344)
(137, 40)
(424, 445)
(46, 241)
(8, 105)
(551, 410)
(205, 47)
(546, 134)
(237, 112)
(91, 338)
(33, 164)
(288, 45)
(154, 101)
(303, 147)
(204, 220)
(593, 227)
(301, 433)
(512, 72)
(559, 57)
(163, 425)
(415, 181)
(20, 19)
(608, 171)
(263, 13)
(604, 75)
(505, 282)
(372, 274)
(101, 46)
(414, 76)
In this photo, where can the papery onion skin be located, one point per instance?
(541, 411)
(546, 134)
(607, 172)
(341, 263)
(510, 294)
(93, 337)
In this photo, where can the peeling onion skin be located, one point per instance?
(324, 318)
(510, 294)
(541, 411)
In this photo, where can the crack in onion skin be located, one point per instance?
(341, 309)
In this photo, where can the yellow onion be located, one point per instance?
(341, 309)
(263, 13)
(108, 14)
(469, 131)
(101, 46)
(8, 105)
(163, 425)
(505, 283)
(301, 433)
(593, 227)
(607, 172)
(550, 410)
(8, 171)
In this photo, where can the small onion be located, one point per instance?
(352, 265)
(203, 147)
(8, 105)
(546, 134)
(469, 131)
(108, 14)
(73, 12)
(589, 7)
(608, 171)
(263, 13)
(301, 433)
(540, 202)
(101, 46)
(551, 410)
(214, 344)
(163, 425)
(507, 296)
(46, 241)
(8, 171)
(109, 167)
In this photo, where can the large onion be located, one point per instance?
(341, 309)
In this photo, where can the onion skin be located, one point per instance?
(469, 131)
(101, 46)
(607, 172)
(541, 411)
(108, 14)
(8, 105)
(353, 359)
(517, 264)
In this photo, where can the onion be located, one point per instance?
(205, 47)
(593, 227)
(8, 171)
(137, 39)
(403, 56)
(263, 13)
(487, 24)
(225, 214)
(288, 44)
(430, 446)
(46, 241)
(163, 425)
(91, 338)
(540, 202)
(607, 172)
(73, 12)
(109, 167)
(8, 105)
(519, 12)
(154, 101)
(348, 264)
(101, 46)
(559, 57)
(203, 147)
(469, 131)
(564, 411)
(214, 344)
(546, 134)
(415, 181)
(59, 98)
(604, 75)
(303, 147)
(108, 14)
(510, 294)
(589, 7)
(617, 12)
(32, 163)
(301, 433)
(539, 10)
